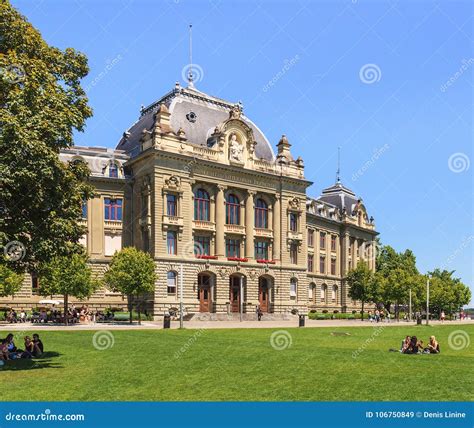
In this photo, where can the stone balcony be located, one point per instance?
(295, 235)
(113, 224)
(235, 229)
(204, 225)
(263, 233)
(172, 220)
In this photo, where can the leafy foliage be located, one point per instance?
(42, 104)
(10, 281)
(362, 285)
(68, 276)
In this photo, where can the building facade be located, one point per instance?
(197, 185)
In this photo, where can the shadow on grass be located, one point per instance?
(43, 362)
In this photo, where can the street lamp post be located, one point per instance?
(181, 295)
(427, 300)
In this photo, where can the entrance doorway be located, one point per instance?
(234, 293)
(204, 292)
(264, 294)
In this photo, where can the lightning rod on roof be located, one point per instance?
(190, 72)
(338, 172)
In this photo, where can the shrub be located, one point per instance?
(325, 311)
(335, 312)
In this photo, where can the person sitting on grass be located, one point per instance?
(29, 347)
(38, 346)
(10, 343)
(405, 344)
(4, 354)
(412, 347)
(433, 346)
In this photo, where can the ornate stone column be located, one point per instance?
(220, 220)
(276, 228)
(249, 225)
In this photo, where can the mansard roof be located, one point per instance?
(195, 113)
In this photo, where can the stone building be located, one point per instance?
(196, 183)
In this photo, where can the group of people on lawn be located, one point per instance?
(83, 314)
(411, 345)
(33, 348)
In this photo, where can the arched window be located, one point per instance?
(202, 203)
(324, 288)
(261, 214)
(293, 287)
(172, 280)
(334, 293)
(232, 209)
(311, 288)
(113, 170)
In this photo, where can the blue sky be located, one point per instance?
(390, 82)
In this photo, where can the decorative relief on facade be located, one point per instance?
(236, 149)
(173, 182)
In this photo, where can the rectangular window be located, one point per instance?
(113, 209)
(333, 266)
(172, 279)
(261, 250)
(171, 242)
(293, 288)
(310, 262)
(322, 264)
(322, 240)
(294, 254)
(333, 242)
(232, 247)
(202, 245)
(350, 264)
(172, 205)
(310, 237)
(34, 283)
(84, 210)
(293, 222)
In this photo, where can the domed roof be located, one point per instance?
(197, 114)
(340, 196)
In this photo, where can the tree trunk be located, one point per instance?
(66, 321)
(139, 312)
(130, 308)
(362, 312)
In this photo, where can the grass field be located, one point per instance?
(240, 365)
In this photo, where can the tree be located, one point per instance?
(396, 275)
(10, 281)
(446, 292)
(67, 276)
(362, 285)
(43, 104)
(131, 272)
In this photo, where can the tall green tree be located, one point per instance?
(68, 276)
(361, 284)
(447, 293)
(132, 273)
(43, 103)
(10, 281)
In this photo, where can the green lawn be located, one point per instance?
(242, 365)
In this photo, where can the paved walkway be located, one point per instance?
(157, 325)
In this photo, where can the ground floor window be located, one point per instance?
(172, 279)
(293, 287)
